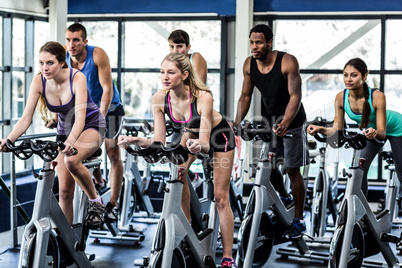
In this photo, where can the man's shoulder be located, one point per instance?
(288, 58)
(246, 64)
(98, 51)
(99, 56)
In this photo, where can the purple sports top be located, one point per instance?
(66, 112)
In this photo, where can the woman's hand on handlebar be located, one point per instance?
(370, 133)
(3, 143)
(313, 129)
(69, 150)
(193, 145)
(51, 124)
(124, 141)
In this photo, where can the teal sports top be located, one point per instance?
(394, 119)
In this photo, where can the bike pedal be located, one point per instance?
(209, 261)
(91, 256)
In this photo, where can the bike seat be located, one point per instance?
(96, 154)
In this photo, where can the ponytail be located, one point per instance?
(366, 108)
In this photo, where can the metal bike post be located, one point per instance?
(13, 208)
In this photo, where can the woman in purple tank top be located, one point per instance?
(57, 89)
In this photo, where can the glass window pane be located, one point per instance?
(18, 42)
(152, 36)
(1, 38)
(1, 105)
(139, 88)
(393, 92)
(319, 91)
(18, 94)
(214, 85)
(329, 44)
(393, 59)
(105, 35)
(42, 35)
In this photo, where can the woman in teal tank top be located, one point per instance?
(367, 107)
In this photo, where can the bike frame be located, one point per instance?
(174, 226)
(266, 197)
(355, 207)
(47, 214)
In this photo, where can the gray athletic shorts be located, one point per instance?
(293, 151)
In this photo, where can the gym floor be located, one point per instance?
(121, 254)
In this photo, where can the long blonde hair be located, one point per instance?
(58, 50)
(183, 63)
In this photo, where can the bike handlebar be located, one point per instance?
(134, 126)
(47, 150)
(257, 130)
(348, 139)
(319, 121)
(156, 151)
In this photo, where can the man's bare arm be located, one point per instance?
(243, 105)
(101, 61)
(200, 67)
(290, 68)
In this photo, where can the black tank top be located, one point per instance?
(274, 92)
(192, 123)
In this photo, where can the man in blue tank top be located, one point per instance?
(276, 75)
(94, 63)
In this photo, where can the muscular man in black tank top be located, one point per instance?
(276, 75)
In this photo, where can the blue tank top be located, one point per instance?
(394, 119)
(66, 112)
(91, 73)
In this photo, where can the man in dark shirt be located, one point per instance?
(276, 75)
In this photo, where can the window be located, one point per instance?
(42, 35)
(146, 42)
(329, 44)
(393, 92)
(103, 34)
(146, 46)
(393, 59)
(139, 88)
(18, 42)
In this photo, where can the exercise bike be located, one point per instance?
(266, 217)
(48, 239)
(138, 207)
(175, 243)
(358, 232)
(123, 229)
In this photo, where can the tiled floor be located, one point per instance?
(118, 254)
